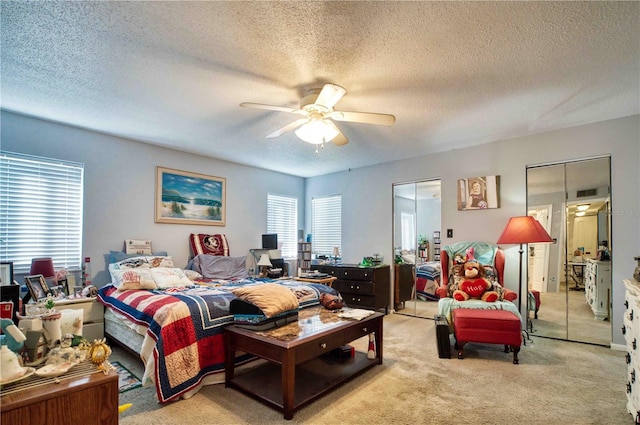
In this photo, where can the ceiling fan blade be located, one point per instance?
(330, 95)
(363, 117)
(340, 139)
(288, 127)
(272, 108)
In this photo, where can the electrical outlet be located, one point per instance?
(449, 233)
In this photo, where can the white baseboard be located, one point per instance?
(618, 347)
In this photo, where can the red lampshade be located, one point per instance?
(525, 229)
(43, 266)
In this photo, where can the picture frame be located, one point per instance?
(184, 197)
(37, 285)
(436, 240)
(479, 193)
(6, 273)
(436, 235)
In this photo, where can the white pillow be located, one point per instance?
(133, 279)
(142, 262)
(166, 277)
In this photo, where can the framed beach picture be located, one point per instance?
(478, 193)
(189, 198)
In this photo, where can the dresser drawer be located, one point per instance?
(354, 273)
(355, 300)
(356, 333)
(93, 310)
(354, 287)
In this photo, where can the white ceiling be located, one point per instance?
(454, 74)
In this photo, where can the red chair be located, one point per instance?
(445, 274)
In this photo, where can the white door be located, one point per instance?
(539, 252)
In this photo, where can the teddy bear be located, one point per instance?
(472, 284)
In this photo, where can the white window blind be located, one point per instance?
(408, 231)
(40, 211)
(326, 224)
(282, 218)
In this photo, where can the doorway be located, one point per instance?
(573, 274)
(416, 246)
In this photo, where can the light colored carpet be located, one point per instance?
(556, 382)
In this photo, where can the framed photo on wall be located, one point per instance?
(479, 193)
(190, 198)
(6, 273)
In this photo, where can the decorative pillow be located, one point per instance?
(166, 277)
(133, 279)
(193, 275)
(208, 244)
(117, 256)
(220, 267)
(490, 274)
(453, 285)
(134, 246)
(271, 298)
(142, 262)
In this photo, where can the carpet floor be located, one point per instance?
(556, 382)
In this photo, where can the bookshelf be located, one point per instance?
(304, 255)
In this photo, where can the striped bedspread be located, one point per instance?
(187, 325)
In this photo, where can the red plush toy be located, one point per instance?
(472, 283)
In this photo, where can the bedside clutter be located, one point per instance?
(361, 287)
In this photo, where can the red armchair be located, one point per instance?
(446, 263)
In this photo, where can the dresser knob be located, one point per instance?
(624, 330)
(364, 330)
(634, 343)
(626, 303)
(628, 388)
(631, 316)
(633, 376)
(323, 345)
(628, 358)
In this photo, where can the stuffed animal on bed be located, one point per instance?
(471, 282)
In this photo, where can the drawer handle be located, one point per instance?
(633, 376)
(364, 330)
(626, 304)
(628, 358)
(323, 345)
(624, 329)
(628, 388)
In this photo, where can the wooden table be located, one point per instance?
(84, 400)
(295, 376)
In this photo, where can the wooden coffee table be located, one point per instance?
(301, 365)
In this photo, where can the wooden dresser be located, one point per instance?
(361, 287)
(631, 332)
(84, 400)
(597, 287)
(404, 281)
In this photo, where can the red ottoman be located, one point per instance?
(488, 327)
(536, 297)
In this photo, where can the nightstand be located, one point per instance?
(92, 317)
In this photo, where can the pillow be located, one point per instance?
(208, 244)
(134, 246)
(193, 275)
(142, 262)
(117, 256)
(167, 277)
(219, 267)
(271, 298)
(133, 279)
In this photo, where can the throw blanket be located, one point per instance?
(446, 306)
(188, 327)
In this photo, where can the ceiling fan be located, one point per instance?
(317, 126)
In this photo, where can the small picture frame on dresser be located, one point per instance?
(37, 286)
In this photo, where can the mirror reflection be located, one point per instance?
(570, 280)
(416, 238)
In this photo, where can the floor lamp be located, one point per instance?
(523, 230)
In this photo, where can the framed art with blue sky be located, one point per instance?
(189, 198)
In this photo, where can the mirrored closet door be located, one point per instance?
(416, 239)
(573, 275)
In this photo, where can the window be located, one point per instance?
(282, 218)
(40, 211)
(408, 231)
(326, 224)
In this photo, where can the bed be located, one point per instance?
(178, 330)
(427, 280)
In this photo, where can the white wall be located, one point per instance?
(367, 194)
(120, 189)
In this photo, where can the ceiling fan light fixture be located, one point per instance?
(583, 207)
(580, 213)
(317, 132)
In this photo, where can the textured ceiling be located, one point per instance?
(454, 74)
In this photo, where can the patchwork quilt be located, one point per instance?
(187, 325)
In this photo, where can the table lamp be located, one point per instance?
(43, 266)
(523, 230)
(265, 264)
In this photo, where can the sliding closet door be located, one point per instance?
(574, 199)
